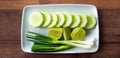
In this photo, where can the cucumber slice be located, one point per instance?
(83, 20)
(54, 20)
(61, 19)
(68, 19)
(76, 20)
(91, 21)
(47, 19)
(36, 19)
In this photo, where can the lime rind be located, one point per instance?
(91, 21)
(47, 19)
(68, 19)
(36, 19)
(76, 20)
(83, 20)
(54, 20)
(61, 19)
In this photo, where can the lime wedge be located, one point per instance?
(76, 20)
(36, 19)
(54, 20)
(47, 18)
(83, 20)
(68, 19)
(61, 19)
(78, 33)
(91, 21)
(55, 33)
(66, 33)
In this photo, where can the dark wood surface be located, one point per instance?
(10, 24)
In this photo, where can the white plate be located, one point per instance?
(77, 8)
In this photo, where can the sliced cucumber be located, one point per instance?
(76, 20)
(36, 19)
(54, 20)
(91, 21)
(83, 20)
(68, 19)
(61, 19)
(47, 19)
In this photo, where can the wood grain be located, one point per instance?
(19, 4)
(10, 24)
(16, 4)
(106, 4)
(14, 51)
(109, 21)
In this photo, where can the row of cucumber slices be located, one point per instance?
(62, 19)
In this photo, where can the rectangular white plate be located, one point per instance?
(76, 8)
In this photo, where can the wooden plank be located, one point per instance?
(14, 51)
(108, 50)
(10, 24)
(106, 4)
(109, 25)
(19, 4)
(16, 4)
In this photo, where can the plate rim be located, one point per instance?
(22, 21)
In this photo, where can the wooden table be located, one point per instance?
(10, 24)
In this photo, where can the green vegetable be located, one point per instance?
(68, 19)
(38, 38)
(47, 18)
(91, 21)
(83, 20)
(36, 19)
(62, 19)
(43, 48)
(45, 44)
(54, 20)
(76, 20)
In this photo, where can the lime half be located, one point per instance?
(55, 33)
(66, 33)
(78, 33)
